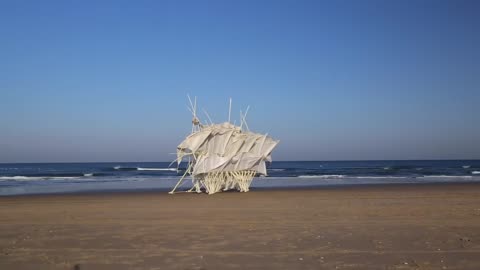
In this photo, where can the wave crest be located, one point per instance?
(35, 178)
(119, 168)
(157, 169)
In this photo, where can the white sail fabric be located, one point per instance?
(226, 148)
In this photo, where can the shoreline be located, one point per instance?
(165, 191)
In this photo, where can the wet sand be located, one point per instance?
(369, 227)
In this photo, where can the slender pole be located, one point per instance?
(190, 100)
(246, 112)
(244, 118)
(181, 179)
(208, 116)
(241, 120)
(195, 113)
(195, 107)
(229, 110)
(192, 110)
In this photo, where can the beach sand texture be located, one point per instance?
(374, 227)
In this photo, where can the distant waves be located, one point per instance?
(143, 169)
(66, 177)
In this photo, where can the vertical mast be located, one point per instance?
(229, 110)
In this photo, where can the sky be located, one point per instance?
(91, 81)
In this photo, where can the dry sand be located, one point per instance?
(375, 227)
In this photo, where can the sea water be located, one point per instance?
(37, 178)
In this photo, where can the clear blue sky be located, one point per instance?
(333, 80)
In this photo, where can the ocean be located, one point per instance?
(41, 178)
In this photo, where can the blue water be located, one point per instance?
(76, 177)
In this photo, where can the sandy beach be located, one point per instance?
(367, 227)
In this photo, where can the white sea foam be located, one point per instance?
(157, 169)
(117, 167)
(34, 178)
(466, 166)
(380, 177)
(447, 176)
(476, 172)
(322, 176)
(353, 177)
(19, 178)
(88, 174)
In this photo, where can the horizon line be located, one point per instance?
(339, 160)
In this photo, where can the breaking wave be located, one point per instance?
(466, 166)
(447, 176)
(380, 177)
(19, 178)
(331, 176)
(48, 176)
(157, 169)
(119, 168)
(33, 178)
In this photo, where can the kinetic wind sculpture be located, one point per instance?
(223, 156)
